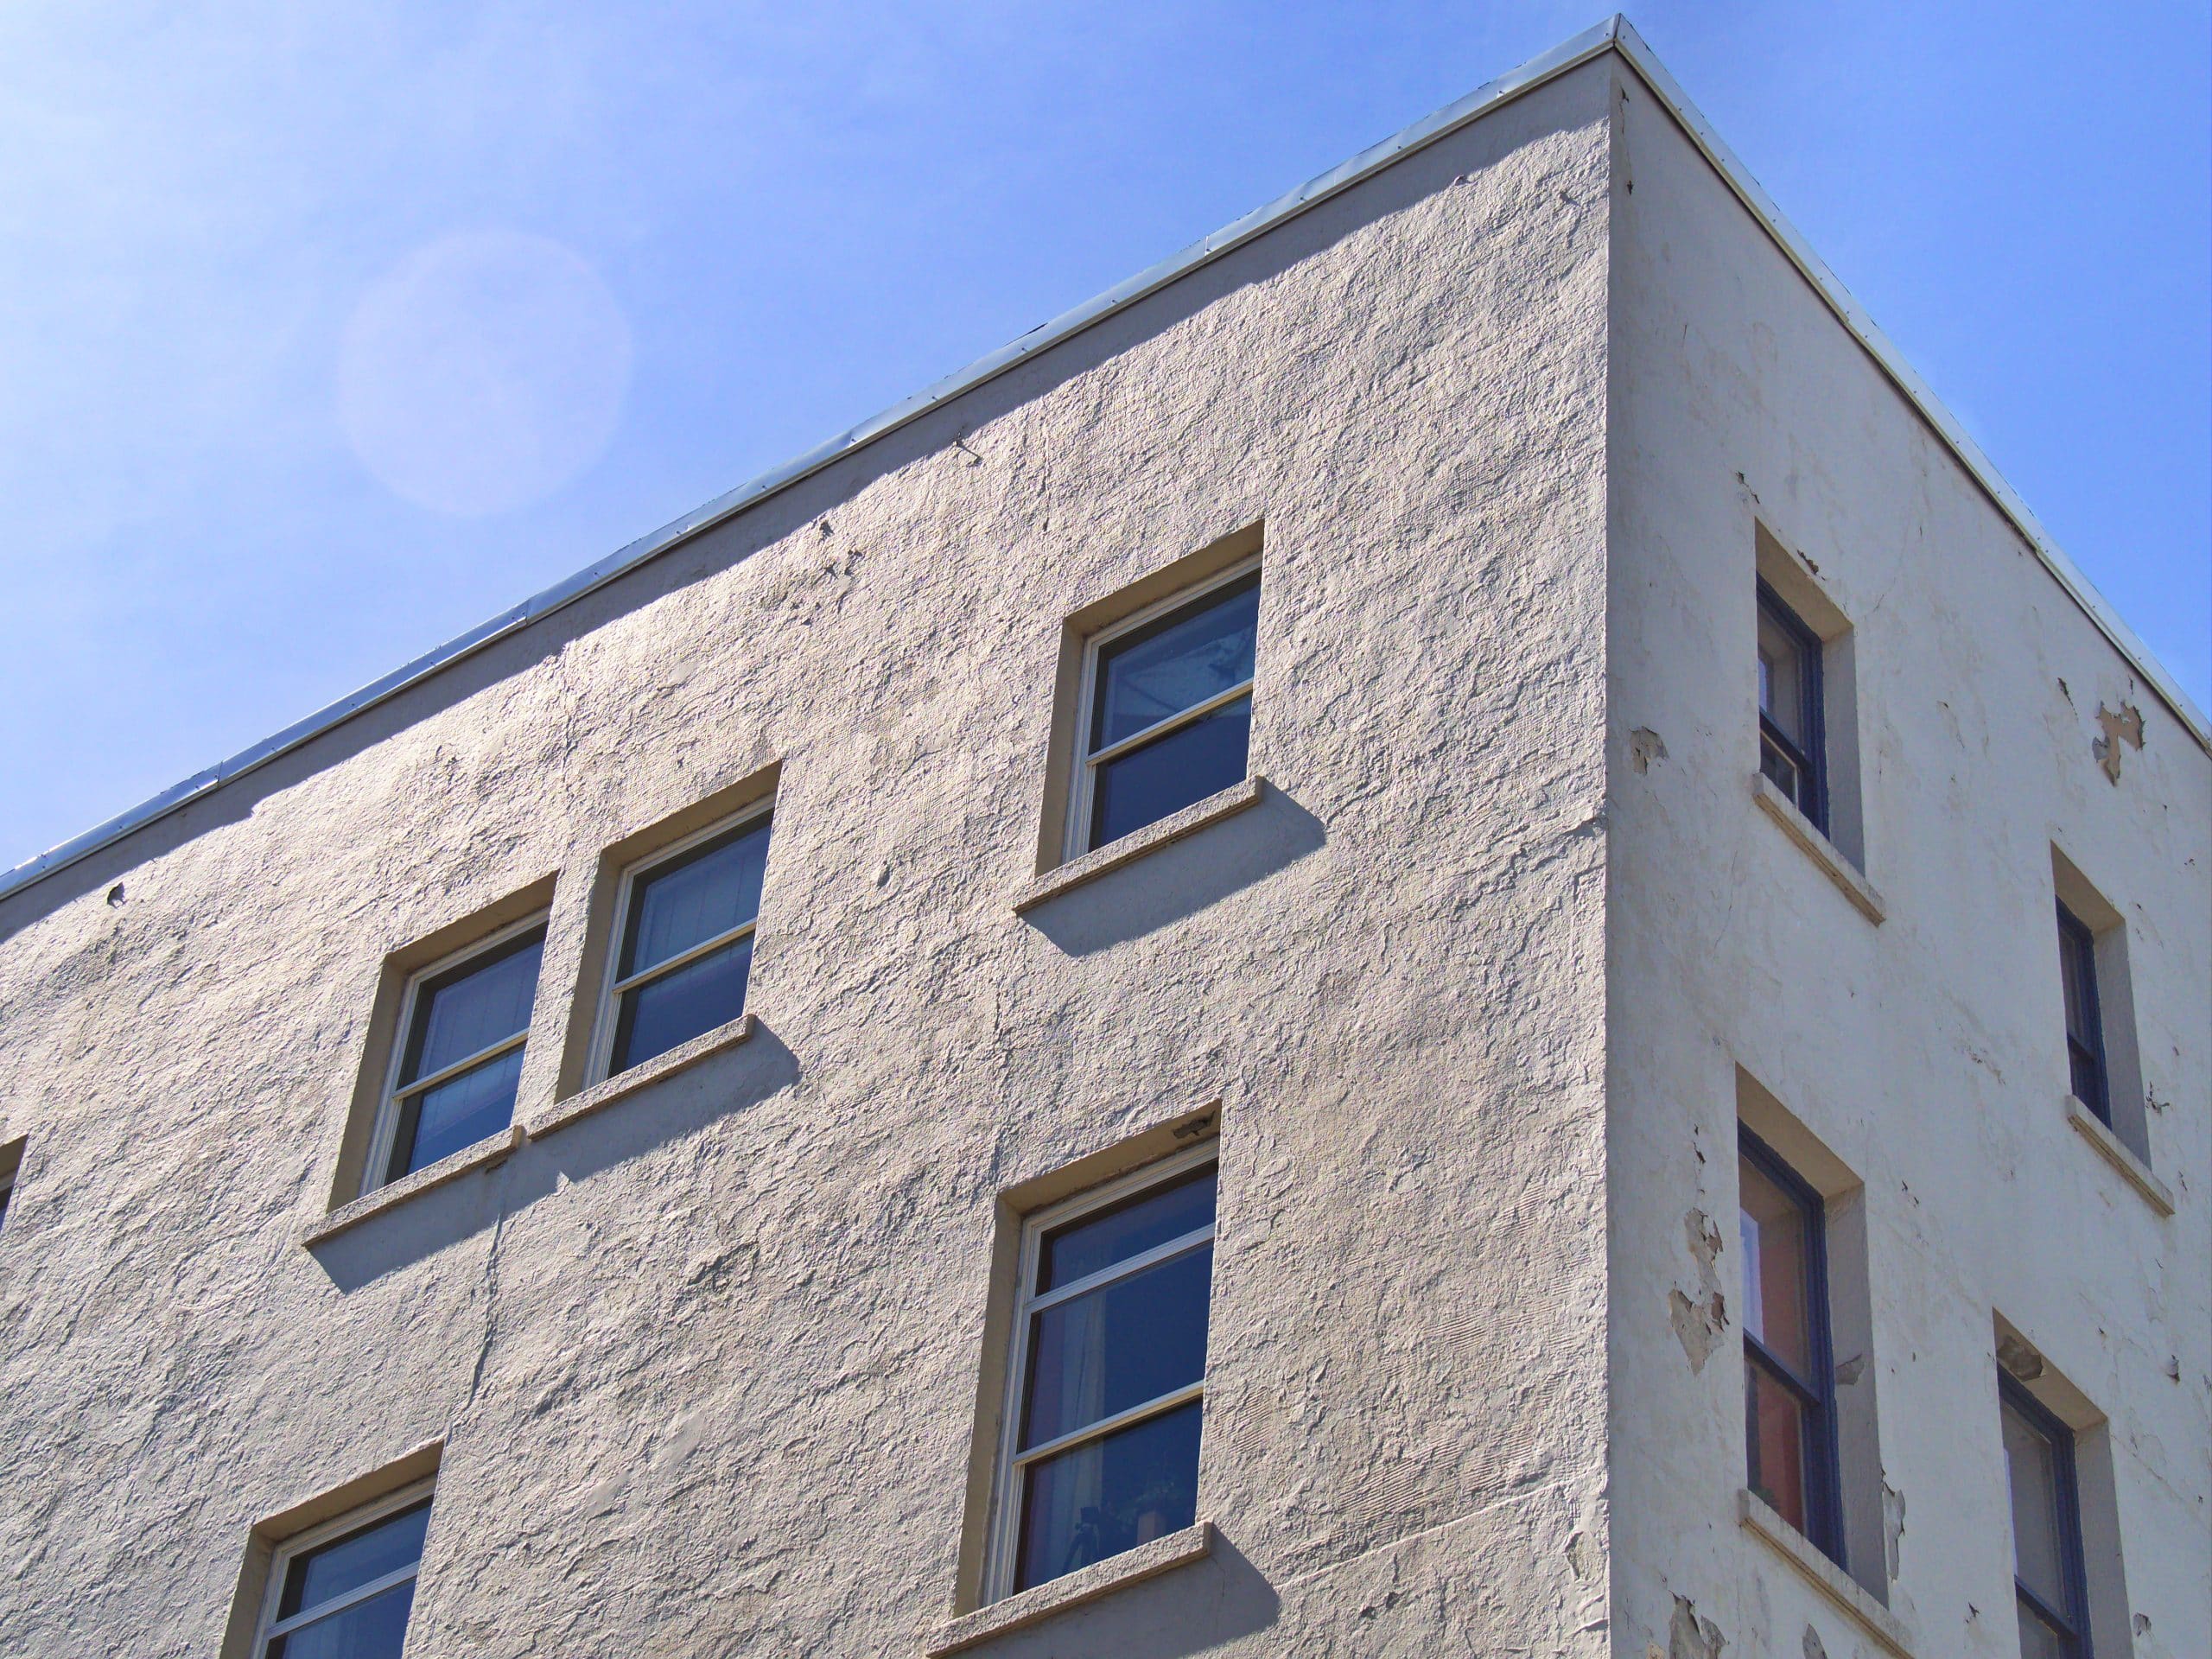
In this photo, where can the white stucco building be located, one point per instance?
(1440, 933)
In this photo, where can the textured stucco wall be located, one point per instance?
(1927, 1052)
(706, 1363)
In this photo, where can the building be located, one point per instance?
(1439, 934)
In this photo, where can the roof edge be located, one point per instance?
(1614, 35)
(1854, 317)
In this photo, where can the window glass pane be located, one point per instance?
(704, 893)
(474, 1006)
(375, 1629)
(2038, 1639)
(1119, 1491)
(2078, 973)
(1109, 1349)
(1784, 773)
(1168, 774)
(1779, 1440)
(661, 1013)
(458, 1113)
(347, 1563)
(1774, 1228)
(1781, 679)
(2031, 1464)
(1130, 1228)
(1176, 664)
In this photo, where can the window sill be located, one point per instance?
(1839, 1587)
(1085, 1583)
(1222, 803)
(2155, 1191)
(1822, 851)
(492, 1150)
(623, 1084)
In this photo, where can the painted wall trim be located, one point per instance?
(1614, 35)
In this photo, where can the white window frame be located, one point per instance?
(1005, 1531)
(280, 1564)
(1084, 771)
(375, 1174)
(610, 988)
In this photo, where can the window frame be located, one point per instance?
(1824, 1502)
(1005, 1534)
(2073, 1623)
(384, 1129)
(1084, 760)
(1811, 761)
(612, 985)
(2077, 948)
(268, 1627)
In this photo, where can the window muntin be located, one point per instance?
(1789, 1381)
(344, 1591)
(1791, 746)
(1169, 717)
(686, 950)
(464, 1027)
(2049, 1583)
(2085, 1032)
(1107, 1382)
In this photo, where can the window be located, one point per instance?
(2085, 1030)
(2048, 1579)
(686, 945)
(1102, 1449)
(1789, 1377)
(343, 1590)
(12, 1160)
(1790, 739)
(453, 1083)
(1166, 717)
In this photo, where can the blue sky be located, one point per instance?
(247, 254)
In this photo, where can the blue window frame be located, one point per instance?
(1789, 1369)
(1792, 745)
(1168, 716)
(460, 1057)
(2085, 1026)
(2050, 1582)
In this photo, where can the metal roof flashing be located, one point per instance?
(1614, 36)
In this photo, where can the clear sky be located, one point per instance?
(327, 331)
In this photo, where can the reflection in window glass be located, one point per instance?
(349, 1599)
(1790, 707)
(1110, 1375)
(463, 1053)
(1788, 1385)
(1170, 716)
(2049, 1583)
(687, 944)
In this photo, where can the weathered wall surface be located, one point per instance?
(1927, 1052)
(706, 1363)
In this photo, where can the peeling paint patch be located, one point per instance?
(1893, 1527)
(1699, 1323)
(1645, 746)
(2122, 725)
(1812, 1644)
(1692, 1637)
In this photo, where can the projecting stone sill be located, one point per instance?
(1222, 803)
(1831, 1581)
(1085, 1583)
(1817, 847)
(482, 1154)
(2119, 1155)
(623, 1084)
